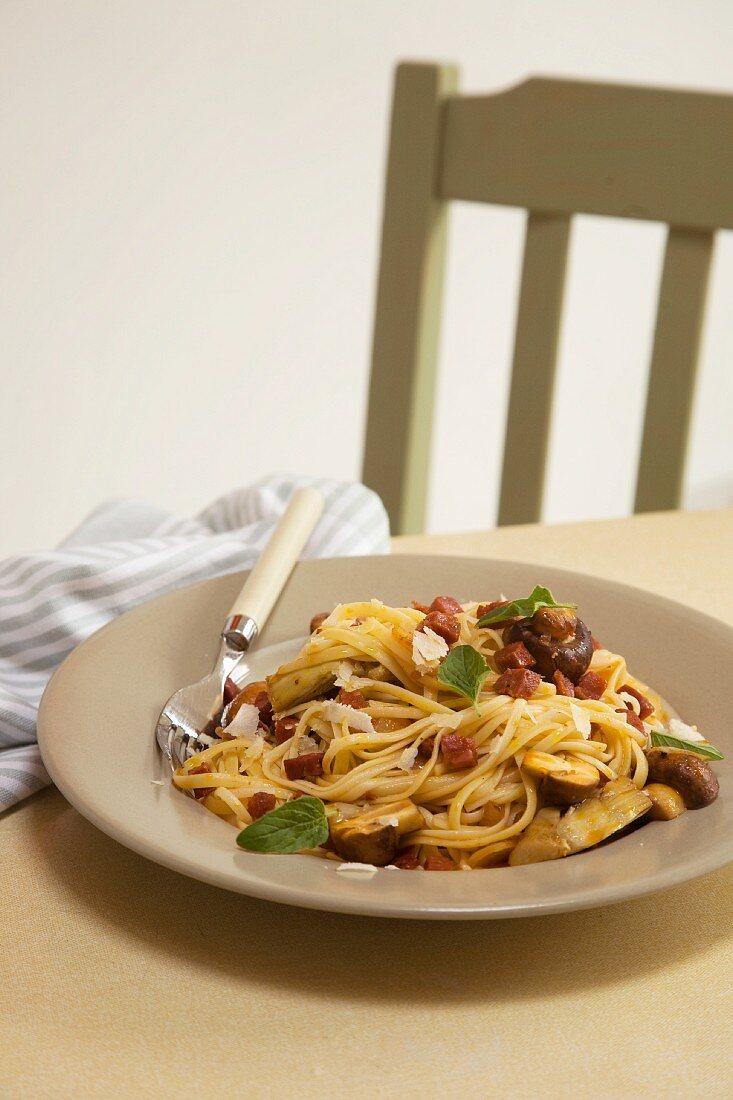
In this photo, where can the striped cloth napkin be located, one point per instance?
(129, 551)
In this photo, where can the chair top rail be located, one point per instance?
(572, 147)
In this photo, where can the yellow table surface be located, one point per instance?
(120, 978)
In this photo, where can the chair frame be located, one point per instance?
(557, 148)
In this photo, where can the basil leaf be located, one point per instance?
(540, 597)
(464, 670)
(661, 740)
(290, 828)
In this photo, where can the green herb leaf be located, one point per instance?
(540, 597)
(662, 740)
(464, 670)
(290, 828)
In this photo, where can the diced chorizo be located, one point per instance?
(645, 707)
(424, 607)
(446, 626)
(353, 699)
(407, 859)
(200, 792)
(632, 718)
(458, 752)
(425, 748)
(231, 690)
(264, 706)
(284, 729)
(486, 608)
(515, 655)
(260, 804)
(307, 766)
(563, 685)
(519, 683)
(439, 863)
(590, 686)
(446, 605)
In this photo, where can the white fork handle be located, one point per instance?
(274, 566)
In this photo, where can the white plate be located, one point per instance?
(97, 719)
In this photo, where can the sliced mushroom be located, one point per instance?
(613, 808)
(667, 803)
(687, 773)
(288, 687)
(540, 840)
(364, 841)
(373, 835)
(564, 782)
(569, 653)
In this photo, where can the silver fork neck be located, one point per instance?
(239, 632)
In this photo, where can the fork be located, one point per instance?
(188, 720)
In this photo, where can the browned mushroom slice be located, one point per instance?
(372, 836)
(667, 803)
(563, 782)
(288, 687)
(616, 806)
(540, 840)
(559, 644)
(364, 841)
(687, 772)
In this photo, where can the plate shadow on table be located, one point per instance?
(365, 958)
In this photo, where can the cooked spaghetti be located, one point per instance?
(536, 763)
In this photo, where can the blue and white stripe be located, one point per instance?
(127, 552)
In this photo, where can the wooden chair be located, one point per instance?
(556, 147)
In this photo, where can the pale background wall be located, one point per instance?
(190, 214)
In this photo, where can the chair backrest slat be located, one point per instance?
(674, 366)
(533, 371)
(557, 148)
(406, 329)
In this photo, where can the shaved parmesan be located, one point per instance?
(581, 719)
(347, 809)
(428, 649)
(307, 744)
(345, 674)
(255, 750)
(356, 719)
(356, 870)
(680, 729)
(245, 721)
(407, 761)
